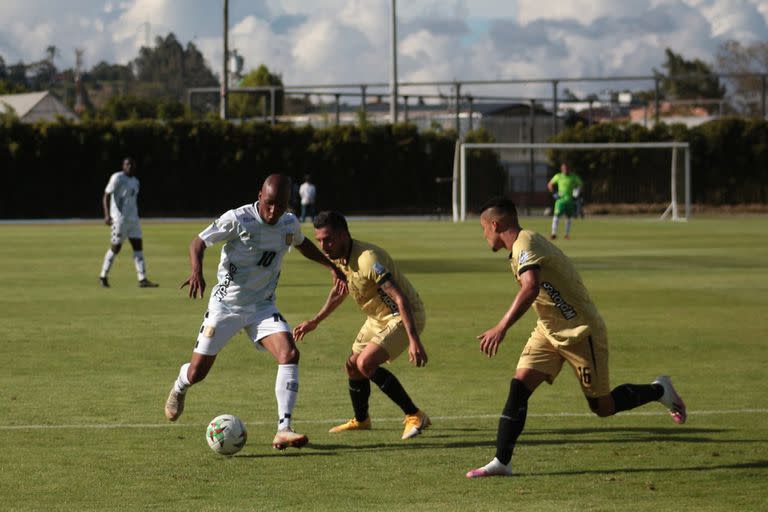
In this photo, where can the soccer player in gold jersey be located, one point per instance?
(569, 329)
(395, 320)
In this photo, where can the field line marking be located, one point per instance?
(337, 420)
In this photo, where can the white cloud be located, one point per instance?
(331, 41)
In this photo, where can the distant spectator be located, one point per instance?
(308, 193)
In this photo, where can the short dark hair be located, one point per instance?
(500, 206)
(332, 219)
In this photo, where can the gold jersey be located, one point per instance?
(367, 268)
(566, 313)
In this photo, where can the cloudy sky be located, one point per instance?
(332, 41)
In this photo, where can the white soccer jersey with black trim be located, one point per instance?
(124, 191)
(251, 257)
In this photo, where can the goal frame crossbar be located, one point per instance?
(459, 191)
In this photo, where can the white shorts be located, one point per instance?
(219, 326)
(122, 229)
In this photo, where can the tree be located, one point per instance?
(251, 105)
(689, 79)
(733, 57)
(172, 67)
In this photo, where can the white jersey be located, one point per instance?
(308, 192)
(251, 257)
(124, 191)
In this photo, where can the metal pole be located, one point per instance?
(338, 109)
(470, 99)
(532, 135)
(463, 180)
(272, 104)
(457, 86)
(656, 100)
(363, 99)
(455, 182)
(224, 70)
(405, 109)
(688, 182)
(673, 174)
(554, 107)
(762, 96)
(393, 73)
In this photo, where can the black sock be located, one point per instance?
(359, 392)
(512, 420)
(391, 387)
(629, 396)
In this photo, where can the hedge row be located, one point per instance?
(190, 168)
(204, 168)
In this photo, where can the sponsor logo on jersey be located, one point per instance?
(565, 309)
(379, 269)
(524, 255)
(387, 300)
(223, 287)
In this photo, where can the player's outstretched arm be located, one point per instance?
(195, 280)
(311, 252)
(335, 297)
(529, 290)
(416, 352)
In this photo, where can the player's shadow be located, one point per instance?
(666, 469)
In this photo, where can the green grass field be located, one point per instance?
(88, 370)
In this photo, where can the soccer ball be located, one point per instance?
(226, 434)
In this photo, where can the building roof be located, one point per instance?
(36, 106)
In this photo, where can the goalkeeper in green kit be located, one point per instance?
(565, 187)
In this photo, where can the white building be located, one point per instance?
(32, 107)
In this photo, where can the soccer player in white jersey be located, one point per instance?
(122, 213)
(256, 237)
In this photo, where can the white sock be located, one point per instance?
(568, 221)
(138, 261)
(286, 389)
(555, 221)
(495, 467)
(182, 381)
(109, 257)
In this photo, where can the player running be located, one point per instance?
(569, 329)
(256, 238)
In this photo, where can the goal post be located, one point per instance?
(673, 210)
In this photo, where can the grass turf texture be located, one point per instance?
(87, 371)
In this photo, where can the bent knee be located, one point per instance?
(366, 367)
(290, 355)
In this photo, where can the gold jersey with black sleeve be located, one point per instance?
(566, 312)
(367, 267)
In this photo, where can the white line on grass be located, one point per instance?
(331, 421)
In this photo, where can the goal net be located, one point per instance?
(619, 177)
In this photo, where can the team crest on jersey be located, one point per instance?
(524, 255)
(379, 269)
(289, 239)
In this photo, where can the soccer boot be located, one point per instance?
(553, 236)
(415, 424)
(352, 424)
(287, 437)
(146, 283)
(174, 406)
(671, 400)
(104, 282)
(493, 468)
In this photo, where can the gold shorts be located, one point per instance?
(588, 356)
(389, 335)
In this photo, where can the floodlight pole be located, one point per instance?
(224, 70)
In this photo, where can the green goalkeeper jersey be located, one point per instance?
(566, 184)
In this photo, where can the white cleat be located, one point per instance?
(493, 468)
(174, 406)
(288, 438)
(671, 400)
